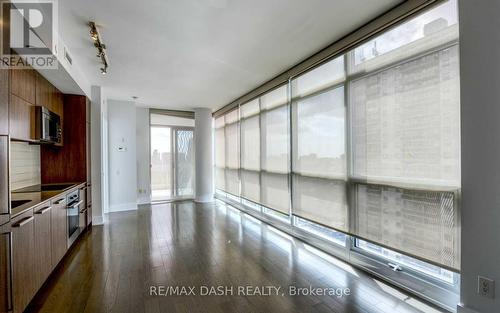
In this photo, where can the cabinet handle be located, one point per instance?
(44, 210)
(61, 201)
(83, 211)
(10, 300)
(23, 222)
(76, 204)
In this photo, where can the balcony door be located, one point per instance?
(172, 162)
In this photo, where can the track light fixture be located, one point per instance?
(101, 47)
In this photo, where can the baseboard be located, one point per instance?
(97, 220)
(122, 207)
(204, 199)
(463, 309)
(143, 201)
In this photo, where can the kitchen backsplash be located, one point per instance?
(24, 165)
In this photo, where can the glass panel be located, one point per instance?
(250, 108)
(319, 135)
(320, 231)
(184, 165)
(274, 191)
(274, 98)
(220, 179)
(321, 200)
(250, 185)
(250, 142)
(318, 79)
(422, 33)
(423, 267)
(232, 146)
(421, 223)
(275, 141)
(161, 163)
(220, 148)
(168, 120)
(406, 123)
(232, 182)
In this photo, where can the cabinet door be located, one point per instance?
(23, 84)
(4, 180)
(4, 102)
(43, 92)
(20, 118)
(82, 221)
(43, 243)
(23, 255)
(5, 269)
(59, 230)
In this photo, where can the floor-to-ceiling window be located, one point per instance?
(361, 151)
(172, 157)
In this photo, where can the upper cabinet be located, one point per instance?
(22, 98)
(50, 97)
(28, 89)
(22, 84)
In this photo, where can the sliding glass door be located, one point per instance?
(172, 162)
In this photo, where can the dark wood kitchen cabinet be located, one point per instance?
(5, 269)
(23, 258)
(74, 152)
(59, 231)
(43, 243)
(22, 84)
(4, 102)
(20, 118)
(22, 98)
(4, 180)
(48, 96)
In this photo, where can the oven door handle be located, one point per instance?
(75, 205)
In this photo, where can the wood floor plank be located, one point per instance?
(114, 267)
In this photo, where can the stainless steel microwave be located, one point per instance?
(47, 125)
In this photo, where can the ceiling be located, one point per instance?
(203, 53)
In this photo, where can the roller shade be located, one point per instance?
(366, 143)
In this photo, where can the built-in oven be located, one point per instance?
(47, 125)
(73, 212)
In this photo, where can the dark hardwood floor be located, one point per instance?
(113, 267)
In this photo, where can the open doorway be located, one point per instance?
(172, 157)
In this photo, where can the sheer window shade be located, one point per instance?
(275, 150)
(373, 139)
(250, 153)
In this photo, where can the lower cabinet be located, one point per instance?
(5, 269)
(43, 243)
(59, 229)
(23, 260)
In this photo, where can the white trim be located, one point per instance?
(143, 201)
(461, 308)
(122, 207)
(97, 220)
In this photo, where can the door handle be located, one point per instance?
(61, 201)
(44, 210)
(23, 222)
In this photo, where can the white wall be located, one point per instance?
(203, 155)
(143, 156)
(122, 155)
(97, 109)
(480, 102)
